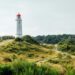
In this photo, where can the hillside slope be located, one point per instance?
(11, 50)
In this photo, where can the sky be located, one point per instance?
(39, 17)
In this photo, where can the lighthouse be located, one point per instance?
(19, 26)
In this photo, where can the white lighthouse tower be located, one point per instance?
(19, 26)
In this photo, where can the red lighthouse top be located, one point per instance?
(18, 14)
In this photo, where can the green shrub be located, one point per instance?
(70, 70)
(18, 39)
(67, 45)
(55, 61)
(29, 39)
(30, 55)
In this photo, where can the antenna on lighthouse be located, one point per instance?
(19, 26)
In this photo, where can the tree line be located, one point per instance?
(6, 37)
(48, 39)
(52, 39)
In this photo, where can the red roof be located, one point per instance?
(18, 14)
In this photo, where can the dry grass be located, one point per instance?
(40, 55)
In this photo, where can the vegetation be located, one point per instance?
(19, 45)
(20, 67)
(6, 38)
(52, 39)
(67, 45)
(18, 39)
(29, 39)
(25, 56)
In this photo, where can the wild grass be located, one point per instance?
(20, 67)
(24, 50)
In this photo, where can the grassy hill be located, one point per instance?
(27, 57)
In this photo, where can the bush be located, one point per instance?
(67, 45)
(30, 55)
(7, 59)
(18, 39)
(29, 39)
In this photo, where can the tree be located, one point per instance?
(67, 44)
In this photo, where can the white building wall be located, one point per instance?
(19, 27)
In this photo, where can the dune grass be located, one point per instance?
(20, 67)
(13, 53)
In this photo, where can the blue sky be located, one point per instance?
(40, 17)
